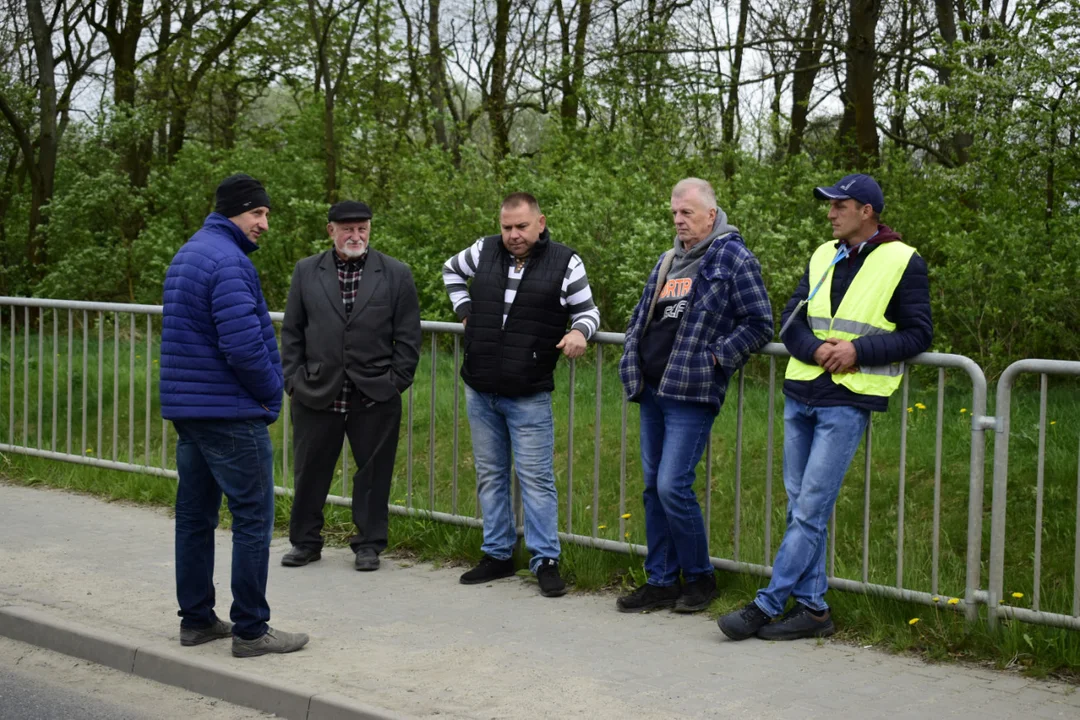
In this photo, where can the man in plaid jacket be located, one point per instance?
(703, 312)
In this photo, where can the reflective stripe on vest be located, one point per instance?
(861, 313)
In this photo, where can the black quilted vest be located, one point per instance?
(520, 358)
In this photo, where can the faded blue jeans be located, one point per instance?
(524, 427)
(819, 443)
(673, 437)
(233, 457)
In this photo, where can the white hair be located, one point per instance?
(702, 187)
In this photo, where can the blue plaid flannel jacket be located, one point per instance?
(729, 317)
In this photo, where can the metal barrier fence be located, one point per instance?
(1000, 500)
(131, 321)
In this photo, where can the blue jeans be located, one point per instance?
(673, 437)
(234, 457)
(819, 443)
(522, 425)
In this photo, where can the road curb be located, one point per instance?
(173, 667)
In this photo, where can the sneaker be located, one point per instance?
(274, 641)
(300, 556)
(741, 624)
(697, 595)
(799, 622)
(198, 636)
(649, 597)
(551, 582)
(366, 560)
(487, 570)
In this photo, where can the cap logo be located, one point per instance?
(845, 188)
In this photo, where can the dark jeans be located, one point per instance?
(234, 458)
(673, 437)
(317, 438)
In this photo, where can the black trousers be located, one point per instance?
(317, 438)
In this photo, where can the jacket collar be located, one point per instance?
(227, 227)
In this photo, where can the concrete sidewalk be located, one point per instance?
(412, 640)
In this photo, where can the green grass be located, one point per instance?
(940, 633)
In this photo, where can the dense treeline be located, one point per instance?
(119, 117)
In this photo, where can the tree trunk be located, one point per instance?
(496, 99)
(436, 71)
(946, 21)
(189, 88)
(731, 111)
(572, 67)
(802, 84)
(896, 121)
(861, 150)
(43, 166)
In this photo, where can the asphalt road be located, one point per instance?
(26, 695)
(37, 684)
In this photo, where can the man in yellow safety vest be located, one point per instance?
(868, 312)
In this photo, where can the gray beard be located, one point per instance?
(353, 254)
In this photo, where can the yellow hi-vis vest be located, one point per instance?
(861, 312)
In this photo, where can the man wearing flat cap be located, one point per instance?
(861, 309)
(221, 386)
(350, 344)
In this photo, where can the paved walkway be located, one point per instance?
(411, 639)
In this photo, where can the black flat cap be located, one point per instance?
(348, 210)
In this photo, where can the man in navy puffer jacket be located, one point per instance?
(221, 384)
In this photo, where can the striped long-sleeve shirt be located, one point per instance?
(576, 294)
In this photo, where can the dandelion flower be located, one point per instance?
(936, 599)
(1053, 422)
(627, 536)
(913, 621)
(911, 409)
(601, 527)
(625, 516)
(920, 406)
(963, 410)
(954, 601)
(1018, 595)
(89, 451)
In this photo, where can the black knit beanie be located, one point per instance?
(239, 193)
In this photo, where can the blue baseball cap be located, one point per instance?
(861, 188)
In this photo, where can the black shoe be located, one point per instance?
(366, 560)
(799, 622)
(198, 636)
(649, 597)
(487, 570)
(551, 583)
(697, 595)
(743, 623)
(300, 556)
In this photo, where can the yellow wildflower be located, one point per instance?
(89, 451)
(912, 621)
(920, 406)
(936, 599)
(627, 536)
(1053, 422)
(954, 601)
(601, 527)
(1018, 595)
(625, 516)
(963, 410)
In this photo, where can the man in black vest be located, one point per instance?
(349, 345)
(525, 290)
